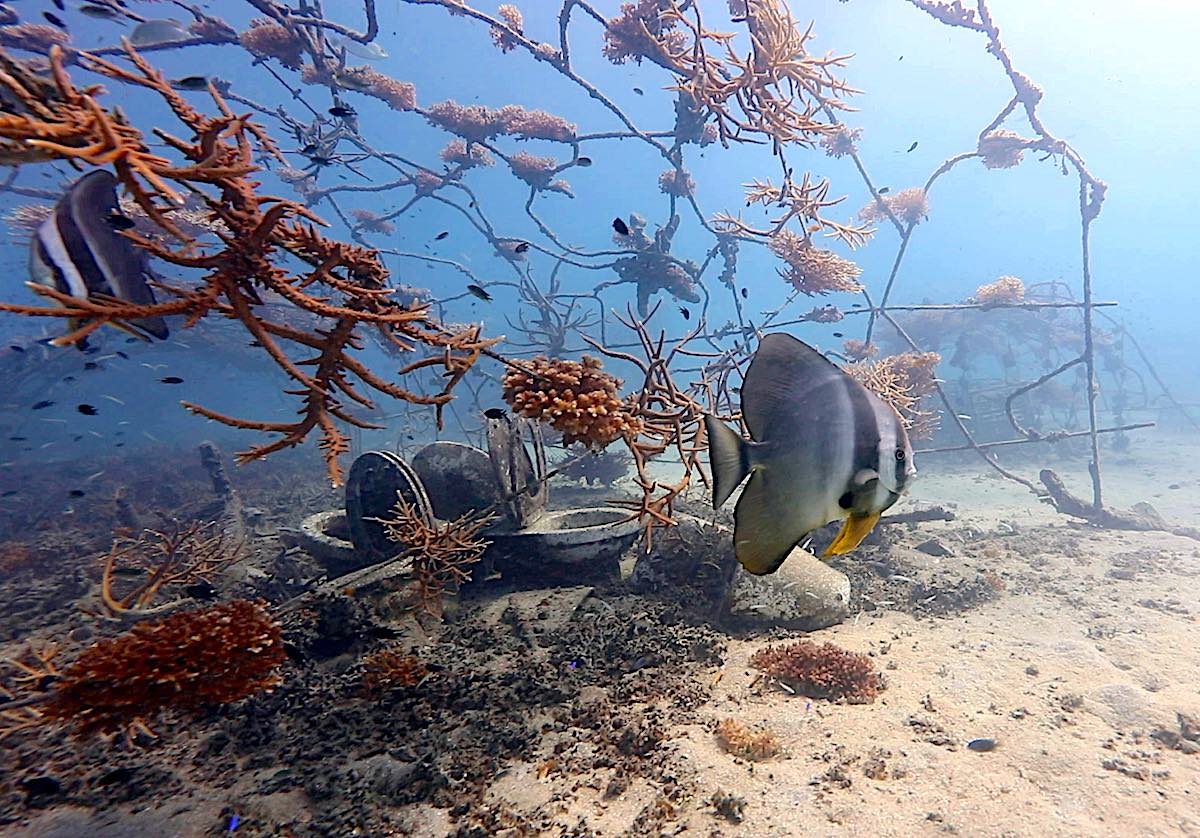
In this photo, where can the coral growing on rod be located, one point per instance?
(812, 270)
(577, 398)
(1006, 289)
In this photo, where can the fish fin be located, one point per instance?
(852, 533)
(765, 528)
(729, 457)
(787, 382)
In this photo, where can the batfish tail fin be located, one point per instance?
(766, 527)
(729, 456)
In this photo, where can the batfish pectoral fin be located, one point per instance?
(852, 533)
(729, 457)
(765, 525)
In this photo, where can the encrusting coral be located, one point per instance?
(516, 22)
(825, 671)
(676, 182)
(577, 398)
(812, 270)
(184, 662)
(267, 39)
(479, 123)
(745, 742)
(1006, 289)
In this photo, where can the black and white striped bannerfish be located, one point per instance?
(823, 448)
(78, 251)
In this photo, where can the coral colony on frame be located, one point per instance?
(249, 213)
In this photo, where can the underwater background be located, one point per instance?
(1007, 653)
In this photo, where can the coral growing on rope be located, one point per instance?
(1002, 149)
(825, 671)
(910, 206)
(1006, 289)
(812, 270)
(575, 397)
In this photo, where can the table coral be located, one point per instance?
(824, 671)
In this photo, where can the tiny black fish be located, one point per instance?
(342, 112)
(621, 227)
(856, 305)
(493, 413)
(43, 404)
(745, 293)
(521, 248)
(914, 145)
(133, 340)
(19, 438)
(76, 493)
(476, 291)
(118, 221)
(54, 19)
(883, 190)
(639, 91)
(202, 589)
(687, 315)
(901, 58)
(584, 161)
(16, 348)
(311, 148)
(90, 365)
(67, 379)
(86, 409)
(254, 343)
(60, 5)
(121, 354)
(441, 235)
(171, 379)
(191, 83)
(838, 335)
(10, 493)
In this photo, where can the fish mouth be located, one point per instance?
(853, 531)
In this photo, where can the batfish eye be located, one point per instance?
(900, 454)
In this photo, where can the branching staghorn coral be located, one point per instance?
(903, 382)
(824, 671)
(812, 270)
(805, 201)
(442, 554)
(353, 283)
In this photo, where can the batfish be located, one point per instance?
(822, 448)
(78, 251)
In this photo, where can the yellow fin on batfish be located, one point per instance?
(823, 448)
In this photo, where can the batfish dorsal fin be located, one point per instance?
(783, 384)
(766, 526)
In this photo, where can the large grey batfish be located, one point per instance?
(823, 448)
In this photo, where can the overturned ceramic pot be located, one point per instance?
(569, 546)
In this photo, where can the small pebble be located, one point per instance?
(982, 745)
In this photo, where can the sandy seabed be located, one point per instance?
(1076, 663)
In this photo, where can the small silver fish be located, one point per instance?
(823, 448)
(150, 32)
(370, 51)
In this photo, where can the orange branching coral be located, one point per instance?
(676, 182)
(516, 22)
(371, 222)
(812, 270)
(32, 37)
(1006, 289)
(575, 397)
(642, 30)
(1002, 149)
(456, 153)
(391, 669)
(910, 206)
(184, 662)
(825, 671)
(442, 554)
(478, 123)
(745, 742)
(857, 350)
(345, 284)
(267, 39)
(903, 382)
(842, 142)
